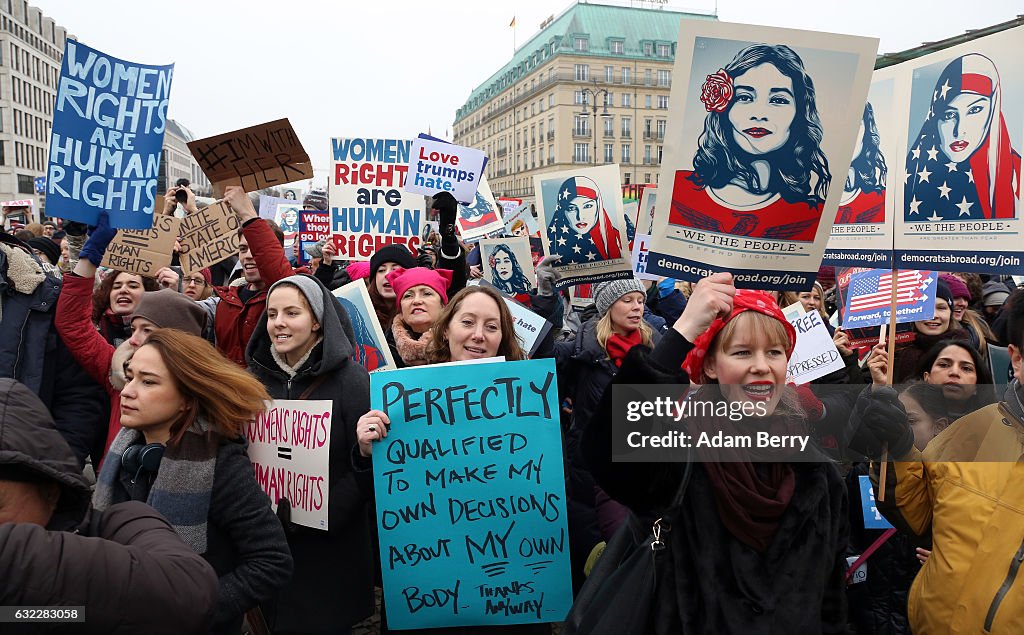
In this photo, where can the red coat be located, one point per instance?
(235, 321)
(89, 348)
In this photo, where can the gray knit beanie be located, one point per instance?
(310, 288)
(607, 293)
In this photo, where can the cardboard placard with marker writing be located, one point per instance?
(266, 155)
(143, 251)
(207, 237)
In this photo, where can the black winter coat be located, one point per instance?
(715, 583)
(332, 587)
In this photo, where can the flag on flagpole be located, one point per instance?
(513, 22)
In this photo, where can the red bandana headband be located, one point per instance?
(744, 300)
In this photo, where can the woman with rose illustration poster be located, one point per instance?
(758, 170)
(962, 166)
(863, 198)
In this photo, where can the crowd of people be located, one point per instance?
(122, 451)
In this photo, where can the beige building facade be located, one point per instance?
(528, 117)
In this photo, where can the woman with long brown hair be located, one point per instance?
(182, 452)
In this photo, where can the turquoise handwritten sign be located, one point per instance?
(471, 495)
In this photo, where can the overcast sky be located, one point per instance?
(394, 68)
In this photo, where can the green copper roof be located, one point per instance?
(601, 25)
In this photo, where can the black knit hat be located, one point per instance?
(398, 254)
(47, 247)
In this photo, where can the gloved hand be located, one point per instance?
(547, 276)
(425, 257)
(810, 403)
(99, 239)
(665, 287)
(447, 209)
(284, 514)
(881, 419)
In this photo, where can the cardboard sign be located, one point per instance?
(641, 253)
(369, 208)
(436, 166)
(508, 265)
(582, 220)
(290, 450)
(314, 226)
(815, 354)
(869, 297)
(208, 237)
(481, 217)
(530, 327)
(959, 182)
(267, 155)
(521, 222)
(747, 187)
(873, 519)
(108, 131)
(471, 495)
(862, 231)
(372, 350)
(143, 251)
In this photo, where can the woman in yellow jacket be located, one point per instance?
(966, 489)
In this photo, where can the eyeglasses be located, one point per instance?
(199, 282)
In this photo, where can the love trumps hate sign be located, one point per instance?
(437, 166)
(108, 130)
(470, 495)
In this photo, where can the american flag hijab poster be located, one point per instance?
(762, 125)
(960, 180)
(862, 229)
(583, 221)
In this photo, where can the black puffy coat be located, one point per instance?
(332, 587)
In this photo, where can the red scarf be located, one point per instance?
(619, 345)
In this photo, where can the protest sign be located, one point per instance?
(508, 265)
(143, 251)
(815, 354)
(641, 245)
(290, 450)
(509, 205)
(733, 194)
(369, 209)
(207, 237)
(267, 155)
(583, 225)
(873, 519)
(862, 231)
(436, 166)
(863, 338)
(108, 130)
(470, 495)
(521, 222)
(314, 226)
(959, 185)
(869, 297)
(482, 217)
(581, 296)
(371, 348)
(645, 210)
(530, 327)
(630, 210)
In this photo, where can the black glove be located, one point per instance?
(74, 228)
(447, 208)
(284, 514)
(881, 419)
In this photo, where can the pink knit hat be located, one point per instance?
(358, 270)
(404, 279)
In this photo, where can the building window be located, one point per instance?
(25, 184)
(581, 98)
(627, 100)
(664, 78)
(627, 130)
(626, 74)
(580, 153)
(648, 81)
(609, 126)
(661, 128)
(659, 154)
(582, 44)
(609, 153)
(647, 101)
(580, 127)
(625, 153)
(551, 155)
(582, 72)
(616, 47)
(551, 100)
(663, 101)
(609, 74)
(647, 160)
(648, 49)
(647, 127)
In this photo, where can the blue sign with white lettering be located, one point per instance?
(873, 519)
(108, 130)
(470, 495)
